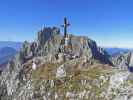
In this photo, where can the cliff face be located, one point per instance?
(49, 41)
(80, 70)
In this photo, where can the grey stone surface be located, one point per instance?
(123, 60)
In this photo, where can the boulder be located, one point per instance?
(61, 72)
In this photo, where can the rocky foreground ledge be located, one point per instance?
(45, 70)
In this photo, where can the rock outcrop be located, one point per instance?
(79, 71)
(123, 60)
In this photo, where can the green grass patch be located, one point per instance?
(45, 71)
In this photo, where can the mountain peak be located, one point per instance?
(52, 58)
(50, 41)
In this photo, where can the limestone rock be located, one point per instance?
(47, 33)
(61, 72)
(124, 60)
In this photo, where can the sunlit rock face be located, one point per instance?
(83, 46)
(124, 61)
(49, 41)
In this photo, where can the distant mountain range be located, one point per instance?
(114, 51)
(7, 50)
(15, 45)
(6, 53)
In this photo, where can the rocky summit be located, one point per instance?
(73, 68)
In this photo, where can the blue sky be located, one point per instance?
(109, 22)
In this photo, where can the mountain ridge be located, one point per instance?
(55, 67)
(14, 44)
(6, 54)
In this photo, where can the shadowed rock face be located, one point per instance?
(19, 81)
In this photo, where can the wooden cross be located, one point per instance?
(66, 24)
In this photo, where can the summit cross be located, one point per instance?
(66, 24)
